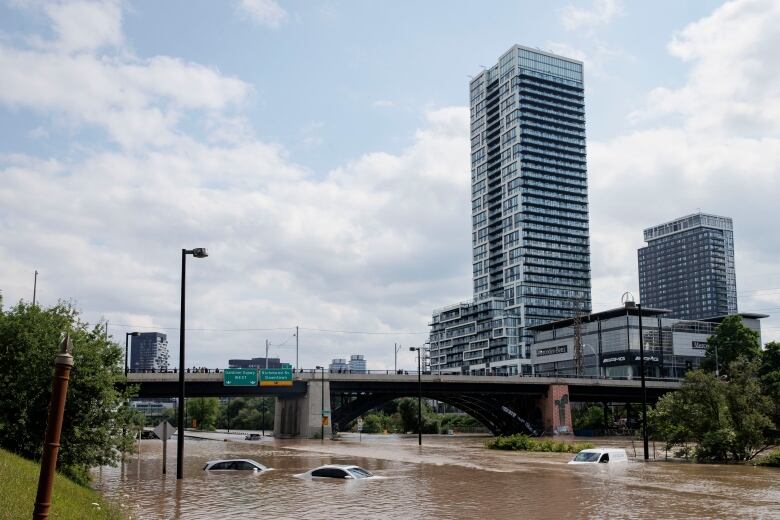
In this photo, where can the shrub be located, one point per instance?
(520, 442)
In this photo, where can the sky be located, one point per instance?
(320, 151)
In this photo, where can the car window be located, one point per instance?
(605, 458)
(242, 464)
(329, 472)
(586, 457)
(220, 465)
(360, 473)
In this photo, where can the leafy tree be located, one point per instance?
(726, 420)
(203, 410)
(769, 373)
(731, 340)
(591, 417)
(247, 414)
(407, 409)
(98, 423)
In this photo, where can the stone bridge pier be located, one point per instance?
(302, 416)
(556, 410)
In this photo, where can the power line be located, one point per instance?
(398, 332)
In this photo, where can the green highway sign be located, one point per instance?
(239, 377)
(286, 365)
(276, 377)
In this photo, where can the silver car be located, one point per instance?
(234, 464)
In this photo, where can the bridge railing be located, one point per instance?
(205, 370)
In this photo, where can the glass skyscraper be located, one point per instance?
(687, 267)
(531, 254)
(149, 351)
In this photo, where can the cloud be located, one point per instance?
(267, 13)
(600, 13)
(712, 143)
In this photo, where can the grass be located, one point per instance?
(526, 443)
(19, 483)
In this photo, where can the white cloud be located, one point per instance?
(263, 12)
(713, 143)
(600, 13)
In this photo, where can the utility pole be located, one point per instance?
(35, 285)
(395, 359)
(266, 353)
(644, 389)
(579, 359)
(297, 366)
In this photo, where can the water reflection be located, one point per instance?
(447, 478)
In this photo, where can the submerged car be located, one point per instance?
(253, 437)
(600, 456)
(343, 471)
(234, 464)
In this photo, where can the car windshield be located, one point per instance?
(360, 473)
(584, 456)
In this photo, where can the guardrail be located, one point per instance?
(204, 370)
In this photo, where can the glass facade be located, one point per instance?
(530, 240)
(149, 351)
(688, 267)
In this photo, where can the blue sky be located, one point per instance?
(320, 149)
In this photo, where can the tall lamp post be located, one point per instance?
(198, 252)
(127, 336)
(322, 404)
(642, 375)
(419, 394)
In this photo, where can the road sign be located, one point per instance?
(276, 377)
(285, 365)
(360, 424)
(239, 377)
(164, 432)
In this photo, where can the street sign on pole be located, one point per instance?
(360, 424)
(276, 377)
(239, 377)
(164, 431)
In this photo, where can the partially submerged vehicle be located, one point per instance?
(341, 471)
(235, 465)
(600, 456)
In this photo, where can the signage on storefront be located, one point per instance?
(551, 351)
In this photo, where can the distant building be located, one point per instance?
(149, 351)
(257, 362)
(687, 267)
(339, 365)
(610, 343)
(357, 364)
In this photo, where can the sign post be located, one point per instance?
(163, 432)
(360, 429)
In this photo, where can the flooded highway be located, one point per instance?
(449, 477)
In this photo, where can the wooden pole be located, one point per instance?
(63, 364)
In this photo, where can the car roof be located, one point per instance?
(603, 450)
(337, 466)
(234, 460)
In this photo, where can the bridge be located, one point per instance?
(504, 404)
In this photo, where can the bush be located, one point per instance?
(771, 460)
(520, 442)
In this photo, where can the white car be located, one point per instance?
(600, 456)
(337, 471)
(235, 464)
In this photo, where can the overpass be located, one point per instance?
(504, 404)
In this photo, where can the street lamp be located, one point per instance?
(127, 335)
(322, 405)
(419, 394)
(598, 366)
(198, 252)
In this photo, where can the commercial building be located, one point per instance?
(610, 343)
(530, 241)
(339, 365)
(149, 351)
(257, 362)
(687, 267)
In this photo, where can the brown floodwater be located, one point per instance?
(448, 478)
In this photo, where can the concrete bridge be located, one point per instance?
(505, 405)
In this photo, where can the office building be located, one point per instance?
(149, 351)
(687, 267)
(257, 362)
(530, 241)
(357, 364)
(339, 365)
(610, 343)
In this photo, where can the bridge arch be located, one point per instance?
(497, 415)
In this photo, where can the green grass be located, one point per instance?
(526, 443)
(19, 483)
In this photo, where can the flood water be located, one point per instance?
(448, 478)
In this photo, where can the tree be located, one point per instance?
(769, 374)
(731, 340)
(726, 420)
(98, 423)
(203, 410)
